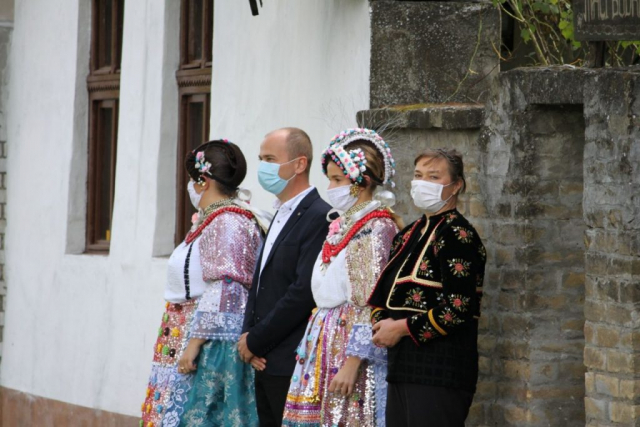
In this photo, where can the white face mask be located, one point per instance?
(428, 195)
(340, 198)
(195, 197)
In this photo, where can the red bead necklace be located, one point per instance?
(191, 236)
(329, 250)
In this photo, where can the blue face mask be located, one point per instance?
(270, 179)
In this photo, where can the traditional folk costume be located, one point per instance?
(353, 255)
(206, 294)
(434, 281)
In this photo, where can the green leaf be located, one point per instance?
(525, 34)
(563, 24)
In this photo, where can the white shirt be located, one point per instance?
(279, 220)
(175, 291)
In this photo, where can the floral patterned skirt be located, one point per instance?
(322, 352)
(162, 405)
(223, 392)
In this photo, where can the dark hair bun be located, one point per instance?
(228, 165)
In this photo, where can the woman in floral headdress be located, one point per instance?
(339, 379)
(196, 376)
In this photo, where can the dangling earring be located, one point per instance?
(354, 191)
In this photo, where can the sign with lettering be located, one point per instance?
(598, 20)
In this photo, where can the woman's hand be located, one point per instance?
(346, 377)
(186, 363)
(387, 332)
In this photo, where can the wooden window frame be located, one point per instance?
(103, 85)
(206, 39)
(117, 11)
(182, 198)
(95, 243)
(194, 80)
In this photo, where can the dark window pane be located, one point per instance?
(195, 119)
(119, 30)
(208, 32)
(105, 179)
(105, 32)
(195, 29)
(195, 130)
(195, 137)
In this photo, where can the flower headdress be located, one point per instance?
(202, 165)
(353, 162)
(199, 167)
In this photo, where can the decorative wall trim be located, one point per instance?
(194, 77)
(103, 83)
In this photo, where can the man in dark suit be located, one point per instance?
(280, 299)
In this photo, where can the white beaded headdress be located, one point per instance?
(353, 162)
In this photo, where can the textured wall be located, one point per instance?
(531, 183)
(553, 172)
(424, 52)
(612, 215)
(298, 63)
(98, 314)
(6, 29)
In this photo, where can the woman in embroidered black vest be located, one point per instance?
(427, 302)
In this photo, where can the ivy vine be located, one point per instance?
(547, 25)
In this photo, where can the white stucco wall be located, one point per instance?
(299, 63)
(80, 328)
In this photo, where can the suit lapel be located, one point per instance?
(291, 222)
(256, 273)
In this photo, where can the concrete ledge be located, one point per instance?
(22, 409)
(424, 116)
(561, 85)
(549, 85)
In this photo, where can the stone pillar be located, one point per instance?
(612, 216)
(531, 341)
(524, 163)
(432, 52)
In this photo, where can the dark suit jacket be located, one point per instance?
(277, 317)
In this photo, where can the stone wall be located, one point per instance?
(425, 52)
(553, 164)
(531, 336)
(554, 190)
(612, 217)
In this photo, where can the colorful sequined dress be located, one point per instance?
(206, 295)
(340, 328)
